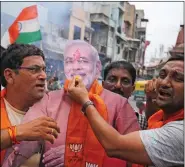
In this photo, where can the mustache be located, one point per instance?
(118, 91)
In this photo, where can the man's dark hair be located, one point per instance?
(2, 49)
(121, 64)
(13, 56)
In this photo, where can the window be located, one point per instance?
(103, 49)
(119, 29)
(125, 55)
(118, 50)
(77, 32)
(131, 58)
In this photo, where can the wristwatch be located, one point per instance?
(85, 105)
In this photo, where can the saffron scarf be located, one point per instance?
(156, 120)
(82, 146)
(5, 122)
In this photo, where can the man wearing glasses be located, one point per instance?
(23, 76)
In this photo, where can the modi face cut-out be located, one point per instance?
(81, 59)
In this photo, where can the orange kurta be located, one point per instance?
(156, 120)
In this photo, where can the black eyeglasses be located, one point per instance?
(34, 69)
(113, 81)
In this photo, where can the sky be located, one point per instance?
(164, 23)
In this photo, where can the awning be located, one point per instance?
(121, 36)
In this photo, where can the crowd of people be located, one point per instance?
(85, 123)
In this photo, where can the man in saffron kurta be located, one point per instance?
(76, 144)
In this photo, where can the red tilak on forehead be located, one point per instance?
(77, 55)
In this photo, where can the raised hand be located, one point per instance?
(150, 89)
(77, 91)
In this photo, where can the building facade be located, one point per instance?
(132, 44)
(107, 22)
(140, 33)
(113, 28)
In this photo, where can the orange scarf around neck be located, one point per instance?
(156, 120)
(5, 122)
(82, 146)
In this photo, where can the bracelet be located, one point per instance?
(85, 105)
(12, 130)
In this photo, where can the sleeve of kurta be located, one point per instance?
(126, 120)
(27, 148)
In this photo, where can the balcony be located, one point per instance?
(100, 18)
(141, 29)
(134, 45)
(98, 9)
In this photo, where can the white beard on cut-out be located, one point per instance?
(88, 80)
